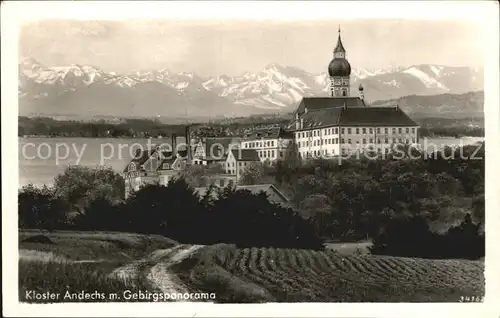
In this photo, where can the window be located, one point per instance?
(343, 140)
(393, 130)
(239, 163)
(321, 142)
(349, 140)
(348, 130)
(386, 140)
(407, 130)
(378, 130)
(364, 141)
(371, 130)
(357, 131)
(400, 130)
(413, 130)
(221, 182)
(371, 140)
(336, 130)
(281, 154)
(343, 130)
(364, 130)
(268, 154)
(336, 140)
(272, 153)
(272, 143)
(386, 130)
(378, 140)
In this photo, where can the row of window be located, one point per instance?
(232, 164)
(357, 131)
(259, 144)
(334, 141)
(324, 152)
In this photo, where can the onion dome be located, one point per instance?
(339, 67)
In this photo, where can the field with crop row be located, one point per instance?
(304, 275)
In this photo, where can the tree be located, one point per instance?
(80, 185)
(317, 206)
(252, 174)
(40, 208)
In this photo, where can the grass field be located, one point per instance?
(76, 261)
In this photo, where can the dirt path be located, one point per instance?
(156, 268)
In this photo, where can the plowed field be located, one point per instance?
(269, 274)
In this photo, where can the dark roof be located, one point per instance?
(339, 47)
(354, 116)
(254, 189)
(319, 118)
(380, 116)
(267, 133)
(217, 148)
(141, 156)
(245, 154)
(315, 103)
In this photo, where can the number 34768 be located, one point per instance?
(471, 299)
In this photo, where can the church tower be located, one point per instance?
(339, 71)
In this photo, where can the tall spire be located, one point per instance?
(339, 47)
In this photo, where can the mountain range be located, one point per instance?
(86, 91)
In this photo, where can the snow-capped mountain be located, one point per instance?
(82, 88)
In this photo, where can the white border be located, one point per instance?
(15, 13)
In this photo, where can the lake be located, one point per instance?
(41, 159)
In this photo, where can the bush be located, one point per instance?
(40, 208)
(413, 238)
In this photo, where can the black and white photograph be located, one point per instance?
(230, 153)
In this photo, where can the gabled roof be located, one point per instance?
(316, 103)
(267, 188)
(319, 118)
(353, 116)
(142, 156)
(245, 154)
(254, 189)
(375, 116)
(217, 148)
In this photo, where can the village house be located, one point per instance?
(153, 166)
(213, 150)
(238, 160)
(271, 144)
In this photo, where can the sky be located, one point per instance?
(232, 47)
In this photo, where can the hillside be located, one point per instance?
(116, 262)
(86, 91)
(469, 104)
(293, 275)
